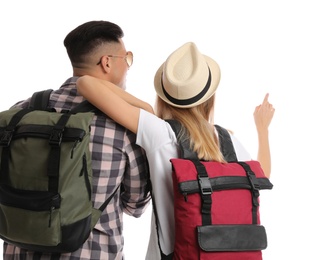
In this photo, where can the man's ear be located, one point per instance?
(105, 64)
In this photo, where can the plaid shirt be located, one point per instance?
(116, 160)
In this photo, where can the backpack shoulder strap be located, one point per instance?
(226, 145)
(186, 151)
(40, 99)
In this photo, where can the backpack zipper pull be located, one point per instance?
(84, 168)
(73, 148)
(185, 196)
(55, 204)
(50, 218)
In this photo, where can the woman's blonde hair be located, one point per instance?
(195, 120)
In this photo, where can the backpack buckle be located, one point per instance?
(6, 137)
(56, 137)
(205, 185)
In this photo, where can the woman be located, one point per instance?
(185, 84)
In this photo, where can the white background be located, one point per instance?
(261, 46)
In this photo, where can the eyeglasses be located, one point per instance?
(129, 58)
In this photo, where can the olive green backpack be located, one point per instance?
(46, 177)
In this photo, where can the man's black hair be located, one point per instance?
(86, 37)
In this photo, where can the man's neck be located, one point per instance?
(78, 72)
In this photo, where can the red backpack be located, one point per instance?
(217, 205)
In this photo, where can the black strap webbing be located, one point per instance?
(226, 145)
(6, 140)
(205, 192)
(255, 189)
(163, 256)
(55, 153)
(40, 100)
(185, 149)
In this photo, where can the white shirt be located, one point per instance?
(160, 143)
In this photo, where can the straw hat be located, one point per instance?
(187, 78)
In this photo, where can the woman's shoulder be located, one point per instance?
(151, 127)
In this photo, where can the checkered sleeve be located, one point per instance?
(135, 194)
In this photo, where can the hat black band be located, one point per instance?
(189, 101)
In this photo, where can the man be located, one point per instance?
(96, 48)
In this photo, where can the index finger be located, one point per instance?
(266, 98)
